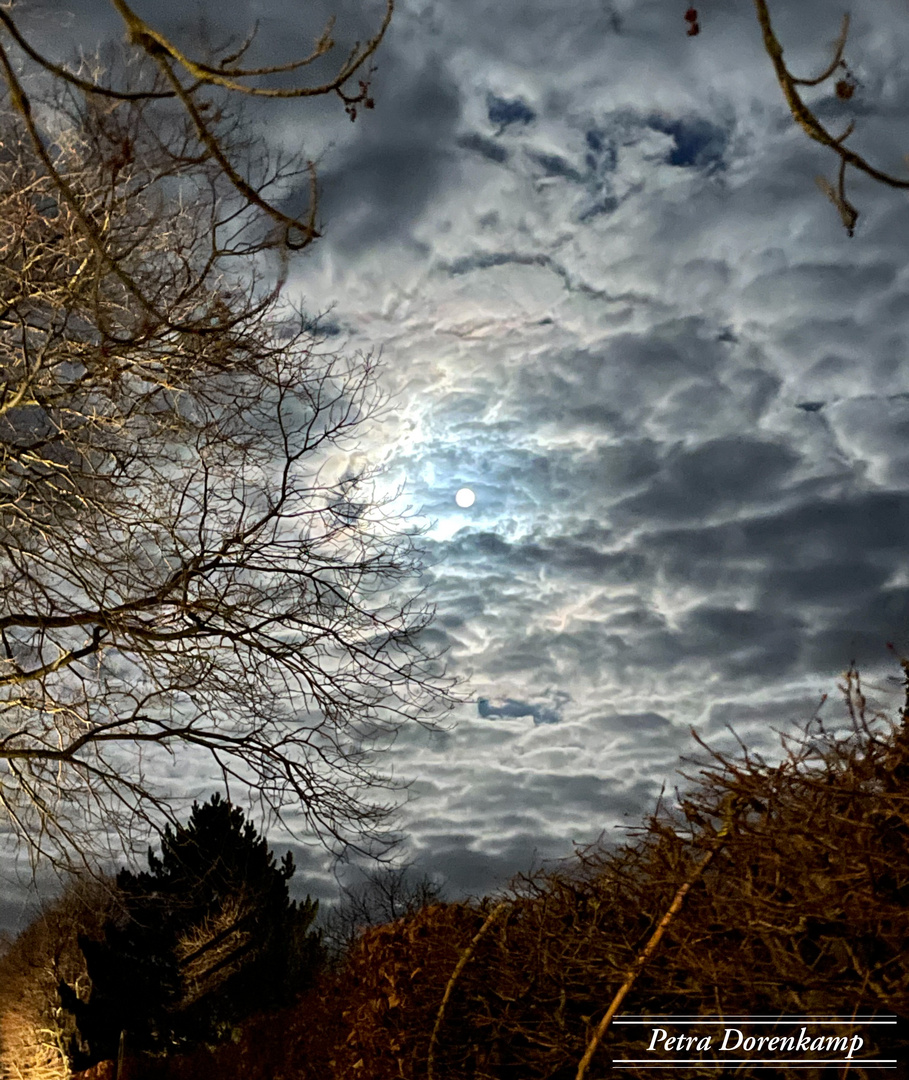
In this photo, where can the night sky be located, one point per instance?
(611, 300)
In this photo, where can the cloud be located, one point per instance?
(486, 148)
(696, 142)
(555, 165)
(631, 324)
(717, 477)
(375, 188)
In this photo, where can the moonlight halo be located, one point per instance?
(464, 497)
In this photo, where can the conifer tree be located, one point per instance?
(207, 935)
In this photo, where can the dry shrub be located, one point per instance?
(804, 910)
(30, 1057)
(389, 990)
(105, 1070)
(36, 1033)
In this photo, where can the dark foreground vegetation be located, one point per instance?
(803, 910)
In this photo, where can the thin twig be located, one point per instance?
(810, 124)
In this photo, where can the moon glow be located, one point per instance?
(465, 497)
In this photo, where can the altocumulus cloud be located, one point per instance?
(636, 329)
(619, 310)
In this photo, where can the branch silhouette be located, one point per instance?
(810, 124)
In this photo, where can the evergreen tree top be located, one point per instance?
(215, 855)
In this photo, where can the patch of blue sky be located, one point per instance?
(698, 143)
(505, 112)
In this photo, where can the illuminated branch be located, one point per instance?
(156, 44)
(500, 909)
(296, 232)
(656, 937)
(809, 123)
(174, 572)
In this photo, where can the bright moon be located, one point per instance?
(465, 497)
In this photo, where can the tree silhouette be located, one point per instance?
(179, 566)
(207, 935)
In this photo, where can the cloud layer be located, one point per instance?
(621, 312)
(611, 300)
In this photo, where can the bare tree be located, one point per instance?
(184, 565)
(384, 895)
(195, 85)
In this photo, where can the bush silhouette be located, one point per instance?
(205, 937)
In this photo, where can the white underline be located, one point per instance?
(747, 1020)
(754, 1061)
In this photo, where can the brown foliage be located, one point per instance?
(391, 986)
(104, 1070)
(804, 910)
(35, 1032)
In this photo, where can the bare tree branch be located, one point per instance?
(810, 124)
(186, 564)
